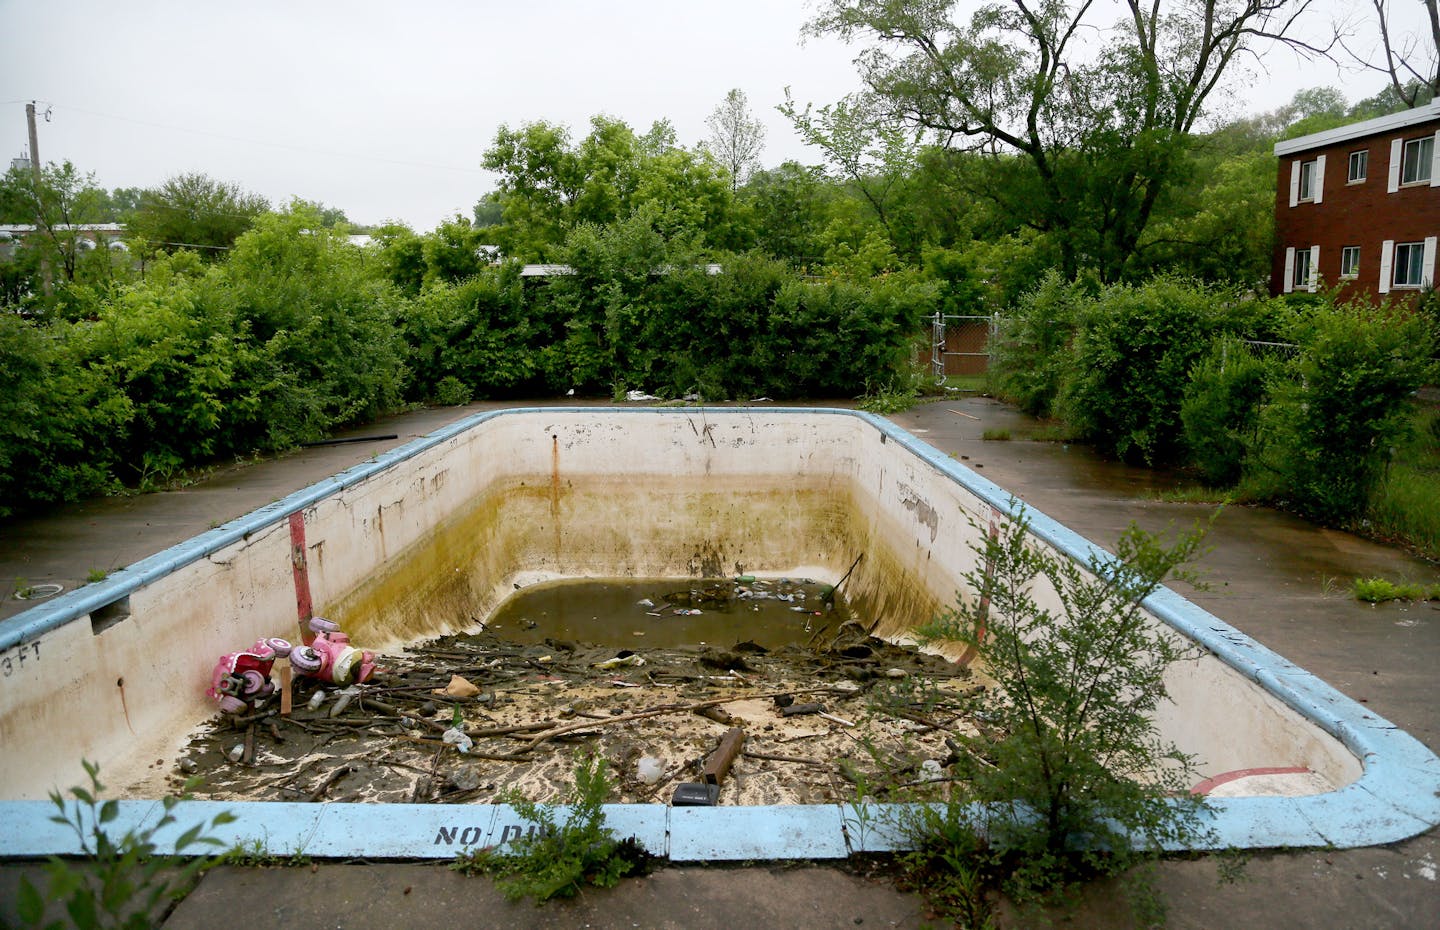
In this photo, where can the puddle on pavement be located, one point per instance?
(552, 682)
(665, 613)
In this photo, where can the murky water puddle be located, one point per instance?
(666, 613)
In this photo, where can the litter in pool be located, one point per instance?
(474, 717)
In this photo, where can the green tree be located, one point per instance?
(736, 137)
(194, 211)
(1095, 115)
(64, 199)
(788, 207)
(550, 186)
(871, 151)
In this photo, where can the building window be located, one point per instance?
(1350, 261)
(1359, 165)
(1307, 180)
(1415, 163)
(1409, 263)
(1301, 277)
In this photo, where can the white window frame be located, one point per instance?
(1408, 255)
(1307, 181)
(1315, 169)
(1350, 261)
(1397, 156)
(1417, 165)
(1425, 261)
(1361, 158)
(1302, 267)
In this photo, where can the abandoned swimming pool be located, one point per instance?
(443, 528)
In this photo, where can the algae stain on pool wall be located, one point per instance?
(542, 528)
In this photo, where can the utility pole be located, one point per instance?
(39, 205)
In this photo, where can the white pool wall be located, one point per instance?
(910, 509)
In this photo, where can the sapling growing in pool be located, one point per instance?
(1071, 773)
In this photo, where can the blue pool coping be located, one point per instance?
(1397, 795)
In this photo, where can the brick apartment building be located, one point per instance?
(1359, 206)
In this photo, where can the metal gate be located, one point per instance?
(960, 345)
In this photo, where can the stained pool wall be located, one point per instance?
(432, 536)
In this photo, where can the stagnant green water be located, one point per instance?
(665, 613)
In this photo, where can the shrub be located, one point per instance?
(476, 332)
(1031, 356)
(59, 417)
(1071, 774)
(1132, 359)
(123, 881)
(1221, 409)
(557, 860)
(1334, 424)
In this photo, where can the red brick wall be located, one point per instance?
(1362, 214)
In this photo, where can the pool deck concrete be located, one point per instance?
(1274, 577)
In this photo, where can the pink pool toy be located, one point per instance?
(242, 679)
(328, 656)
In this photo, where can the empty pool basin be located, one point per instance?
(425, 539)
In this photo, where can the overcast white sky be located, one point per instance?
(384, 109)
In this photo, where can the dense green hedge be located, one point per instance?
(1160, 373)
(297, 333)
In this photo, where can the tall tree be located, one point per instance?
(863, 145)
(549, 184)
(1410, 59)
(1094, 115)
(64, 198)
(736, 137)
(195, 211)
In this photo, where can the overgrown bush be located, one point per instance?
(1336, 420)
(1132, 358)
(641, 312)
(1221, 410)
(476, 333)
(58, 417)
(1033, 354)
(1071, 774)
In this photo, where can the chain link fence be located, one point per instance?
(960, 345)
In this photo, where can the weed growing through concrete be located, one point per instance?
(1380, 590)
(1067, 778)
(255, 855)
(122, 881)
(556, 860)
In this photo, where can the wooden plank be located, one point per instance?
(718, 765)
